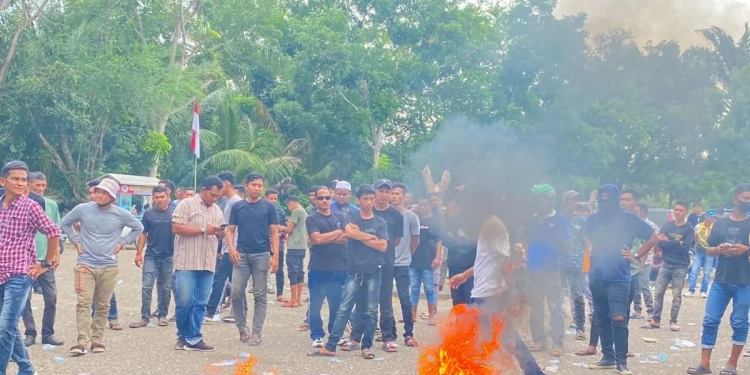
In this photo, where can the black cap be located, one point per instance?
(383, 183)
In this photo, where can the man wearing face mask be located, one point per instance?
(96, 271)
(611, 232)
(728, 241)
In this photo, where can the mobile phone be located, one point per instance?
(223, 226)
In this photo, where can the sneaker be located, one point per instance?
(228, 319)
(622, 369)
(603, 365)
(342, 341)
(172, 318)
(317, 343)
(688, 294)
(29, 340)
(52, 340)
(180, 344)
(201, 346)
(704, 295)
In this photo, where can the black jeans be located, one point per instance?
(462, 294)
(49, 293)
(385, 301)
(611, 299)
(280, 272)
(401, 274)
(223, 273)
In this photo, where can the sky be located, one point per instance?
(661, 19)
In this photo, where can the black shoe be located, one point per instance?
(29, 340)
(201, 346)
(603, 364)
(52, 340)
(622, 369)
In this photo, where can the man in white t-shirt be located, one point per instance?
(493, 286)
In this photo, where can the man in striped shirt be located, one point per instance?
(197, 225)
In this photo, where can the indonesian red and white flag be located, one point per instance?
(195, 143)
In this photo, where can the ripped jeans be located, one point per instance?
(611, 317)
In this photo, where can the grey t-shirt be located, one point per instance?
(411, 228)
(101, 232)
(227, 211)
(298, 238)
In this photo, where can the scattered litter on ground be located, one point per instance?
(662, 357)
(335, 360)
(554, 361)
(674, 348)
(684, 343)
(691, 324)
(225, 363)
(244, 355)
(581, 364)
(551, 369)
(34, 308)
(650, 340)
(48, 347)
(119, 282)
(59, 359)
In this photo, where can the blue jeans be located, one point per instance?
(701, 259)
(13, 296)
(418, 278)
(156, 271)
(364, 290)
(324, 285)
(387, 319)
(717, 303)
(192, 289)
(112, 308)
(496, 305)
(223, 273)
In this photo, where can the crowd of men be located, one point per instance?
(203, 249)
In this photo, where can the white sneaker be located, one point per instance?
(704, 295)
(317, 343)
(342, 341)
(687, 294)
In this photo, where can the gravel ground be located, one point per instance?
(150, 350)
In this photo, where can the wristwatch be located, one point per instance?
(203, 231)
(44, 264)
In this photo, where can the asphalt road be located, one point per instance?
(150, 351)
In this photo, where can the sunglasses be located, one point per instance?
(324, 198)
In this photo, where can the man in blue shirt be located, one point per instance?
(611, 232)
(547, 237)
(341, 202)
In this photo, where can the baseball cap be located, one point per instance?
(110, 186)
(570, 195)
(343, 185)
(383, 183)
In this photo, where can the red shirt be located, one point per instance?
(18, 226)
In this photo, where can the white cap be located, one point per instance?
(344, 185)
(110, 186)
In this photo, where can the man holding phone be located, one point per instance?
(729, 241)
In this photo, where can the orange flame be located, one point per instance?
(462, 350)
(243, 367)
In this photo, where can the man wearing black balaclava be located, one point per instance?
(611, 232)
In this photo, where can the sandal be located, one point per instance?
(254, 340)
(580, 335)
(350, 346)
(698, 370)
(320, 353)
(281, 299)
(651, 325)
(728, 371)
(636, 316)
(674, 327)
(411, 342)
(536, 348)
(78, 350)
(303, 328)
(288, 304)
(139, 324)
(98, 348)
(244, 335)
(556, 352)
(163, 322)
(390, 347)
(585, 352)
(368, 354)
(115, 325)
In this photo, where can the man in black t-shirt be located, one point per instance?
(729, 241)
(272, 195)
(327, 270)
(257, 250)
(395, 222)
(157, 264)
(367, 236)
(426, 258)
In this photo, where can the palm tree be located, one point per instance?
(246, 146)
(731, 55)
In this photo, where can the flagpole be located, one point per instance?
(195, 172)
